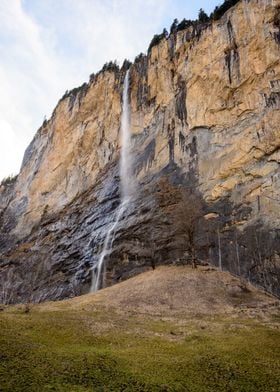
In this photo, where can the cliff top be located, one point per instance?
(196, 26)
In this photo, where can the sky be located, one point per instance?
(50, 46)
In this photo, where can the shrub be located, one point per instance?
(126, 65)
(202, 16)
(157, 38)
(173, 27)
(8, 180)
(185, 23)
(220, 10)
(139, 58)
(112, 66)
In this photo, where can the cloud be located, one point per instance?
(95, 31)
(9, 148)
(48, 47)
(28, 82)
(51, 46)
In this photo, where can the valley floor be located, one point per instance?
(172, 329)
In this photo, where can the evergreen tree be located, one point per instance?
(185, 24)
(173, 27)
(202, 16)
(164, 33)
(220, 10)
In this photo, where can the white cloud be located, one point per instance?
(28, 80)
(49, 46)
(9, 148)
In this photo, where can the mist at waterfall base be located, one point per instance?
(127, 189)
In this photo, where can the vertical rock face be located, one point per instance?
(205, 116)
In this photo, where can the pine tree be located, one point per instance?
(202, 16)
(173, 27)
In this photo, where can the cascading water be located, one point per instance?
(127, 186)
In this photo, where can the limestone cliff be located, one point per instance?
(205, 115)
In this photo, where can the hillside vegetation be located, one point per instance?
(172, 329)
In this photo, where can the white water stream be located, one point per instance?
(127, 186)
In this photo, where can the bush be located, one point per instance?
(185, 23)
(220, 10)
(202, 16)
(126, 65)
(112, 66)
(139, 58)
(8, 180)
(173, 27)
(74, 92)
(157, 38)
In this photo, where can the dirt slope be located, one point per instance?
(171, 290)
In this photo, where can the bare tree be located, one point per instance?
(25, 282)
(34, 282)
(263, 252)
(187, 215)
(152, 251)
(182, 210)
(219, 249)
(9, 284)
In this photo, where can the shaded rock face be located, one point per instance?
(204, 116)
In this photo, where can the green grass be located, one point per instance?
(75, 351)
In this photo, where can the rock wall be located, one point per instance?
(204, 116)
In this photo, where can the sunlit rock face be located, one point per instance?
(204, 115)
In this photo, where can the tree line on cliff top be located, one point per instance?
(203, 17)
(176, 26)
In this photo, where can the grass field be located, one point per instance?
(117, 341)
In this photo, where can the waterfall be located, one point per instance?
(126, 174)
(127, 186)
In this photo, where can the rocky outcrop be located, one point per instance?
(204, 116)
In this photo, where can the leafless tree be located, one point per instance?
(263, 253)
(183, 210)
(187, 215)
(152, 251)
(24, 283)
(9, 284)
(35, 279)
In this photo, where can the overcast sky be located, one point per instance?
(49, 46)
